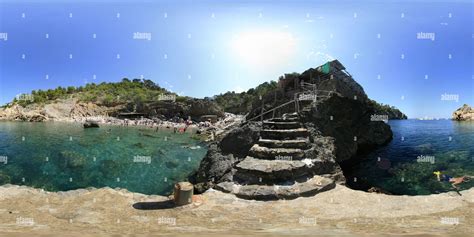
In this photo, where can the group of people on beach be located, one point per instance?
(177, 125)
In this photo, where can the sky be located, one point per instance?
(415, 55)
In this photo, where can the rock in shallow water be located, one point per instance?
(464, 113)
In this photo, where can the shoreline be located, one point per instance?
(194, 128)
(340, 211)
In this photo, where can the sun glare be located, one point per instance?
(264, 48)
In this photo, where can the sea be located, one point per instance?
(58, 156)
(419, 148)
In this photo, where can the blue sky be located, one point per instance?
(203, 48)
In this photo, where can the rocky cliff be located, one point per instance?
(342, 125)
(59, 110)
(73, 109)
(464, 113)
(355, 121)
(351, 124)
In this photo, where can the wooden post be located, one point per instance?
(261, 112)
(183, 193)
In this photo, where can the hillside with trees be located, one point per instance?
(135, 91)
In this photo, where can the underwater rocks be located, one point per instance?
(73, 159)
(464, 113)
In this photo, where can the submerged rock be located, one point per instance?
(91, 124)
(73, 159)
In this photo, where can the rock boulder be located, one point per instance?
(464, 113)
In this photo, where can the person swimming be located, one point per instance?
(453, 180)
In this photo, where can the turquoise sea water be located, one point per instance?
(62, 156)
(419, 147)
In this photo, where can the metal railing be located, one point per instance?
(309, 92)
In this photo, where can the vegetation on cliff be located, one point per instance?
(135, 91)
(391, 111)
(241, 103)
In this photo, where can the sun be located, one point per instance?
(264, 49)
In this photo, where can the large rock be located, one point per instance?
(221, 156)
(239, 141)
(214, 168)
(348, 121)
(17, 112)
(464, 113)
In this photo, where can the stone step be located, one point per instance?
(297, 143)
(292, 115)
(311, 187)
(257, 171)
(281, 125)
(284, 134)
(262, 152)
(284, 120)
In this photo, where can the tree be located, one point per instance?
(71, 89)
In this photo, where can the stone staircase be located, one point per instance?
(281, 165)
